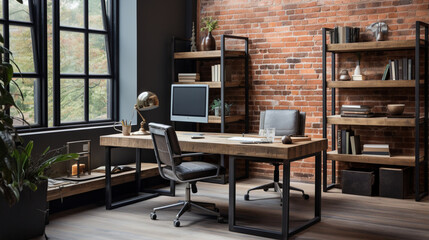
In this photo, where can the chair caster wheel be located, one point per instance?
(176, 223)
(246, 197)
(305, 196)
(153, 216)
(265, 189)
(220, 220)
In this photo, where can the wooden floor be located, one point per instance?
(343, 217)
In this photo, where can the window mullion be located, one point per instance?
(6, 28)
(43, 27)
(86, 100)
(56, 62)
(114, 43)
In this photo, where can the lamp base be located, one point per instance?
(141, 132)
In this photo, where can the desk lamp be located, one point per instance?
(145, 101)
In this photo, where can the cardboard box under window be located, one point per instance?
(396, 182)
(359, 182)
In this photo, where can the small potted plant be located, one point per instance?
(216, 107)
(208, 43)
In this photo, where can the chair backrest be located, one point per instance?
(165, 144)
(286, 122)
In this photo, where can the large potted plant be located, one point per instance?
(23, 185)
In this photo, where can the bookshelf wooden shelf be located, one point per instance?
(215, 84)
(372, 159)
(373, 121)
(414, 47)
(373, 46)
(373, 84)
(208, 54)
(228, 119)
(78, 187)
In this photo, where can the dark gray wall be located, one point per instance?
(158, 21)
(146, 31)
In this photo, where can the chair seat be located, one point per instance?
(191, 170)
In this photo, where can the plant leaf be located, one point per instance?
(56, 159)
(46, 150)
(30, 185)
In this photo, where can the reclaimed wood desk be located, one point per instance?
(218, 143)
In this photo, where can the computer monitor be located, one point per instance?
(189, 103)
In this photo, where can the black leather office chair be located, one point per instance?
(286, 122)
(171, 167)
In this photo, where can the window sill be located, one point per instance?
(40, 131)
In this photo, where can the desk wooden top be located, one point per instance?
(218, 143)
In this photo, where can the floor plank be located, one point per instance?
(343, 217)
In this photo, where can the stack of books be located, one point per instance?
(189, 77)
(376, 149)
(356, 111)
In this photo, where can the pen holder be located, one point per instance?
(126, 129)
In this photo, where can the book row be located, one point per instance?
(399, 69)
(344, 35)
(349, 143)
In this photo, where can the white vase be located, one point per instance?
(217, 111)
(357, 70)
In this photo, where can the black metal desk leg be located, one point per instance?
(285, 207)
(139, 196)
(231, 208)
(325, 172)
(318, 191)
(138, 169)
(107, 151)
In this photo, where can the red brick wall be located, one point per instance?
(286, 56)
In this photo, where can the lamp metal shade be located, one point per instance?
(147, 101)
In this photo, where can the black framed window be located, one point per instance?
(82, 87)
(18, 25)
(64, 50)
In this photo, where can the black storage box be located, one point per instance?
(396, 182)
(358, 182)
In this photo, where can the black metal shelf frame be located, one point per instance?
(223, 58)
(418, 195)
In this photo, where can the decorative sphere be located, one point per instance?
(286, 140)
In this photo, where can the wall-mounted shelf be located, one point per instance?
(208, 54)
(228, 119)
(393, 160)
(373, 46)
(373, 84)
(215, 84)
(373, 121)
